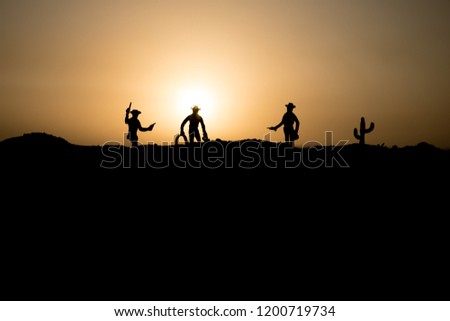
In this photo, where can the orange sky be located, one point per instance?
(70, 68)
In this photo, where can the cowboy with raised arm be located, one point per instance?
(134, 125)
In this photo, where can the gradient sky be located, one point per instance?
(70, 68)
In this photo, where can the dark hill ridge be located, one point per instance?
(233, 170)
(264, 225)
(47, 151)
(250, 169)
(37, 140)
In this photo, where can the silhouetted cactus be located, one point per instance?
(363, 131)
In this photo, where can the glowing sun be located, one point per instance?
(189, 97)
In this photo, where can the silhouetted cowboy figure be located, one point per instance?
(134, 125)
(288, 120)
(194, 120)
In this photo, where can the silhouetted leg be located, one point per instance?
(133, 139)
(289, 137)
(191, 137)
(197, 135)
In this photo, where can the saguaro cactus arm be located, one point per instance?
(371, 127)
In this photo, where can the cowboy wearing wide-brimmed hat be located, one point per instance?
(134, 125)
(194, 120)
(288, 120)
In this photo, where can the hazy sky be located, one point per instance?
(70, 68)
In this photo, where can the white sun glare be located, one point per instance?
(189, 97)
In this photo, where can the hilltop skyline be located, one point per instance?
(71, 69)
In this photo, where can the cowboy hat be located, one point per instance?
(135, 112)
(291, 105)
(195, 108)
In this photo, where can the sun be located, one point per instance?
(191, 96)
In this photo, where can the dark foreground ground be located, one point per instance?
(247, 220)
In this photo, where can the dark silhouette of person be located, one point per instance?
(194, 120)
(288, 120)
(134, 125)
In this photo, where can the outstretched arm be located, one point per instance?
(140, 127)
(146, 129)
(279, 125)
(276, 127)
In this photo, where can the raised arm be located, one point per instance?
(127, 113)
